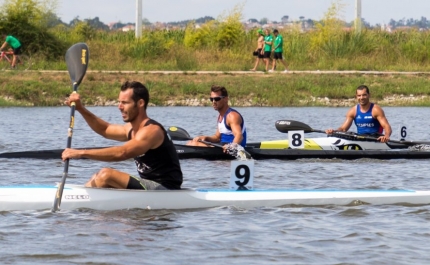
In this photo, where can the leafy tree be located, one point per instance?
(96, 23)
(422, 23)
(83, 30)
(263, 21)
(53, 20)
(146, 22)
(28, 20)
(202, 37)
(230, 28)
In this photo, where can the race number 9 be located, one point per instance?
(242, 175)
(296, 139)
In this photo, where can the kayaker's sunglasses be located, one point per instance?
(216, 98)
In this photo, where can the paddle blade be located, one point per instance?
(77, 58)
(285, 126)
(178, 134)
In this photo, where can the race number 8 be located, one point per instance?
(296, 139)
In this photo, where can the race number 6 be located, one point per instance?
(403, 132)
(296, 139)
(242, 175)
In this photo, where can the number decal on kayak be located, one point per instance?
(242, 172)
(296, 139)
(242, 175)
(403, 132)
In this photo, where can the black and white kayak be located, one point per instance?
(342, 145)
(197, 152)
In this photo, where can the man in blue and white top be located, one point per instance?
(231, 125)
(368, 117)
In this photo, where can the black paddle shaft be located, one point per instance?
(77, 58)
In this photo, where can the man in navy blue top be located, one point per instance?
(368, 117)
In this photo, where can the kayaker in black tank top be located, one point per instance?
(160, 164)
(145, 140)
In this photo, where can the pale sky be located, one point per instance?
(373, 11)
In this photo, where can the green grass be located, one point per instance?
(50, 89)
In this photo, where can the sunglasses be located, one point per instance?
(216, 98)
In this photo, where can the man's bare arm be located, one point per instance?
(234, 121)
(150, 138)
(346, 124)
(379, 114)
(105, 129)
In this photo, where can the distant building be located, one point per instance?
(128, 28)
(113, 25)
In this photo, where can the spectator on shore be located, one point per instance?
(14, 43)
(258, 52)
(268, 41)
(277, 51)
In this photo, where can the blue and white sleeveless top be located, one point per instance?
(225, 130)
(365, 122)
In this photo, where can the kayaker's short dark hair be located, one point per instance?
(361, 87)
(221, 89)
(139, 91)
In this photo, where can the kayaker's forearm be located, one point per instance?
(98, 125)
(212, 139)
(111, 154)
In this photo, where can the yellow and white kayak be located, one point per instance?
(329, 143)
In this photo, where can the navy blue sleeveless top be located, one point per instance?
(366, 123)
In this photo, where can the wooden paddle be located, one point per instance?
(285, 126)
(180, 134)
(77, 58)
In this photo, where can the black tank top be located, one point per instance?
(160, 164)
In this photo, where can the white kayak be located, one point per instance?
(16, 198)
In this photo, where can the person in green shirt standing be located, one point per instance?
(277, 48)
(15, 45)
(268, 41)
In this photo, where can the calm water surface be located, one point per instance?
(365, 234)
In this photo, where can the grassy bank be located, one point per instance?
(50, 89)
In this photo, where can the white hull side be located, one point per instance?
(75, 196)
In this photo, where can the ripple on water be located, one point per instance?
(293, 234)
